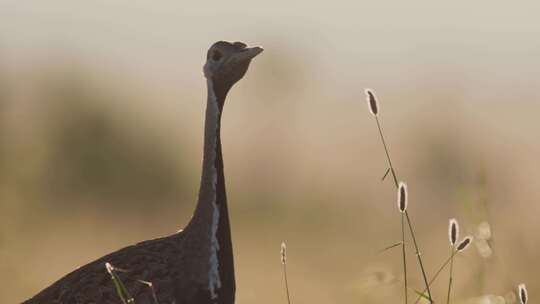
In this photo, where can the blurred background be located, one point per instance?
(101, 116)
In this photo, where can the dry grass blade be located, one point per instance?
(152, 290)
(390, 247)
(374, 108)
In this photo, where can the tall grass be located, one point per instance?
(453, 235)
(402, 202)
(374, 109)
(464, 244)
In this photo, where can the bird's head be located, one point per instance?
(226, 63)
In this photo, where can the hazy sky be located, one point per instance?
(482, 41)
(461, 54)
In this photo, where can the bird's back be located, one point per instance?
(159, 261)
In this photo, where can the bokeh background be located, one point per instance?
(101, 115)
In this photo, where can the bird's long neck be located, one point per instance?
(212, 188)
(211, 219)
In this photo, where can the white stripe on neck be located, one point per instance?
(214, 281)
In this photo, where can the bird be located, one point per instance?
(194, 265)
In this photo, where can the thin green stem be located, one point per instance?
(121, 289)
(437, 274)
(286, 283)
(387, 152)
(403, 252)
(418, 255)
(394, 175)
(450, 280)
(390, 247)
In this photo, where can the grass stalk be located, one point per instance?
(464, 244)
(453, 235)
(404, 255)
(419, 256)
(121, 289)
(284, 266)
(406, 216)
(443, 266)
(451, 278)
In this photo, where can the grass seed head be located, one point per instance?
(109, 268)
(523, 295)
(372, 102)
(453, 231)
(403, 197)
(283, 253)
(464, 243)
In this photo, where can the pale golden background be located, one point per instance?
(101, 108)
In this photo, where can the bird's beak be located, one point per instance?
(248, 53)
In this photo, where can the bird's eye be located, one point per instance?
(216, 55)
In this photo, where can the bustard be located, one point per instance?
(193, 266)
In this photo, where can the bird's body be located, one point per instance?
(195, 265)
